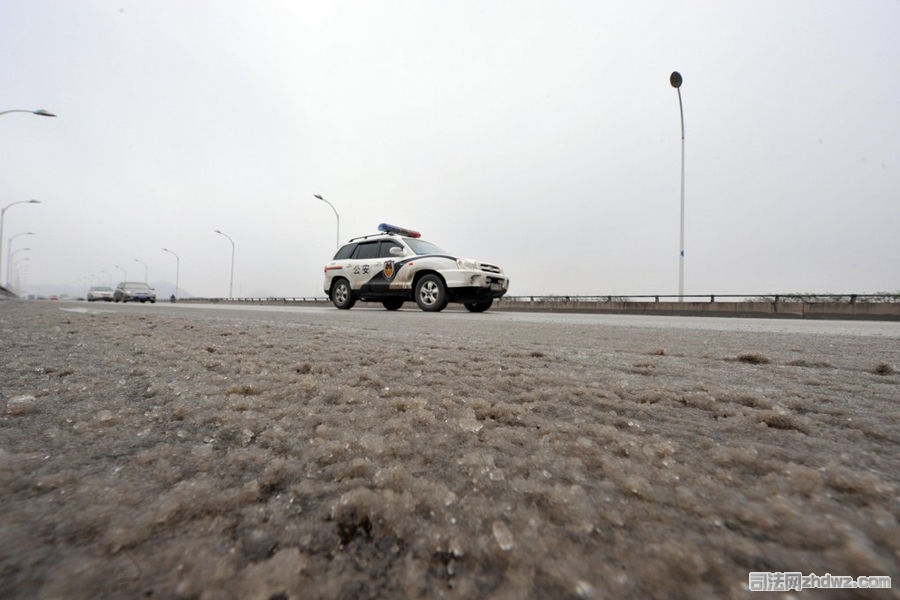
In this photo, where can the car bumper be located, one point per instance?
(475, 285)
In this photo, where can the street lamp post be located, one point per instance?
(9, 252)
(15, 266)
(676, 80)
(336, 216)
(124, 272)
(145, 268)
(41, 113)
(108, 278)
(3, 220)
(231, 282)
(177, 268)
(9, 258)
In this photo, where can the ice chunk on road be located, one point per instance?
(503, 535)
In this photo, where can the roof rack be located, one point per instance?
(363, 237)
(387, 229)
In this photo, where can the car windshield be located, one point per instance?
(422, 247)
(101, 288)
(137, 286)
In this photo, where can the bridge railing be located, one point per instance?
(879, 298)
(841, 298)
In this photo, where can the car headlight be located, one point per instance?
(466, 264)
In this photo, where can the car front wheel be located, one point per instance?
(431, 293)
(341, 295)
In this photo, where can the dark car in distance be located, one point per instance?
(134, 291)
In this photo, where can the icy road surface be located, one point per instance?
(181, 452)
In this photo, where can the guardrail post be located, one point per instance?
(712, 298)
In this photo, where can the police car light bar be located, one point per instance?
(385, 227)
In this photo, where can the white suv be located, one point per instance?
(396, 265)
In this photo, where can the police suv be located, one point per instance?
(396, 265)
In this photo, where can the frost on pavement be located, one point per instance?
(177, 453)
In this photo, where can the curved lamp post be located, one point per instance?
(124, 272)
(108, 278)
(145, 268)
(17, 251)
(39, 112)
(9, 251)
(15, 266)
(177, 268)
(336, 215)
(3, 220)
(676, 81)
(16, 263)
(231, 283)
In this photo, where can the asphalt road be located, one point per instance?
(185, 451)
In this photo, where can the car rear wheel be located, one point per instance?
(431, 293)
(479, 306)
(341, 295)
(393, 303)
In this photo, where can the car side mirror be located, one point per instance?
(397, 251)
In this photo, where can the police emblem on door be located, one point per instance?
(389, 269)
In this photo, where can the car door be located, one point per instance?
(383, 268)
(363, 265)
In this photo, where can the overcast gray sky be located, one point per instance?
(542, 136)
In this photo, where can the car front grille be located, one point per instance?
(490, 268)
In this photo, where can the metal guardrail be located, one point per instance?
(841, 298)
(607, 298)
(258, 300)
(880, 307)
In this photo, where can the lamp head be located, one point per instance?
(675, 79)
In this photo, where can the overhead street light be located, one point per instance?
(145, 268)
(3, 220)
(16, 262)
(17, 250)
(41, 112)
(676, 80)
(177, 268)
(336, 215)
(16, 267)
(231, 283)
(124, 272)
(9, 251)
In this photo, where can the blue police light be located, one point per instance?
(387, 228)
